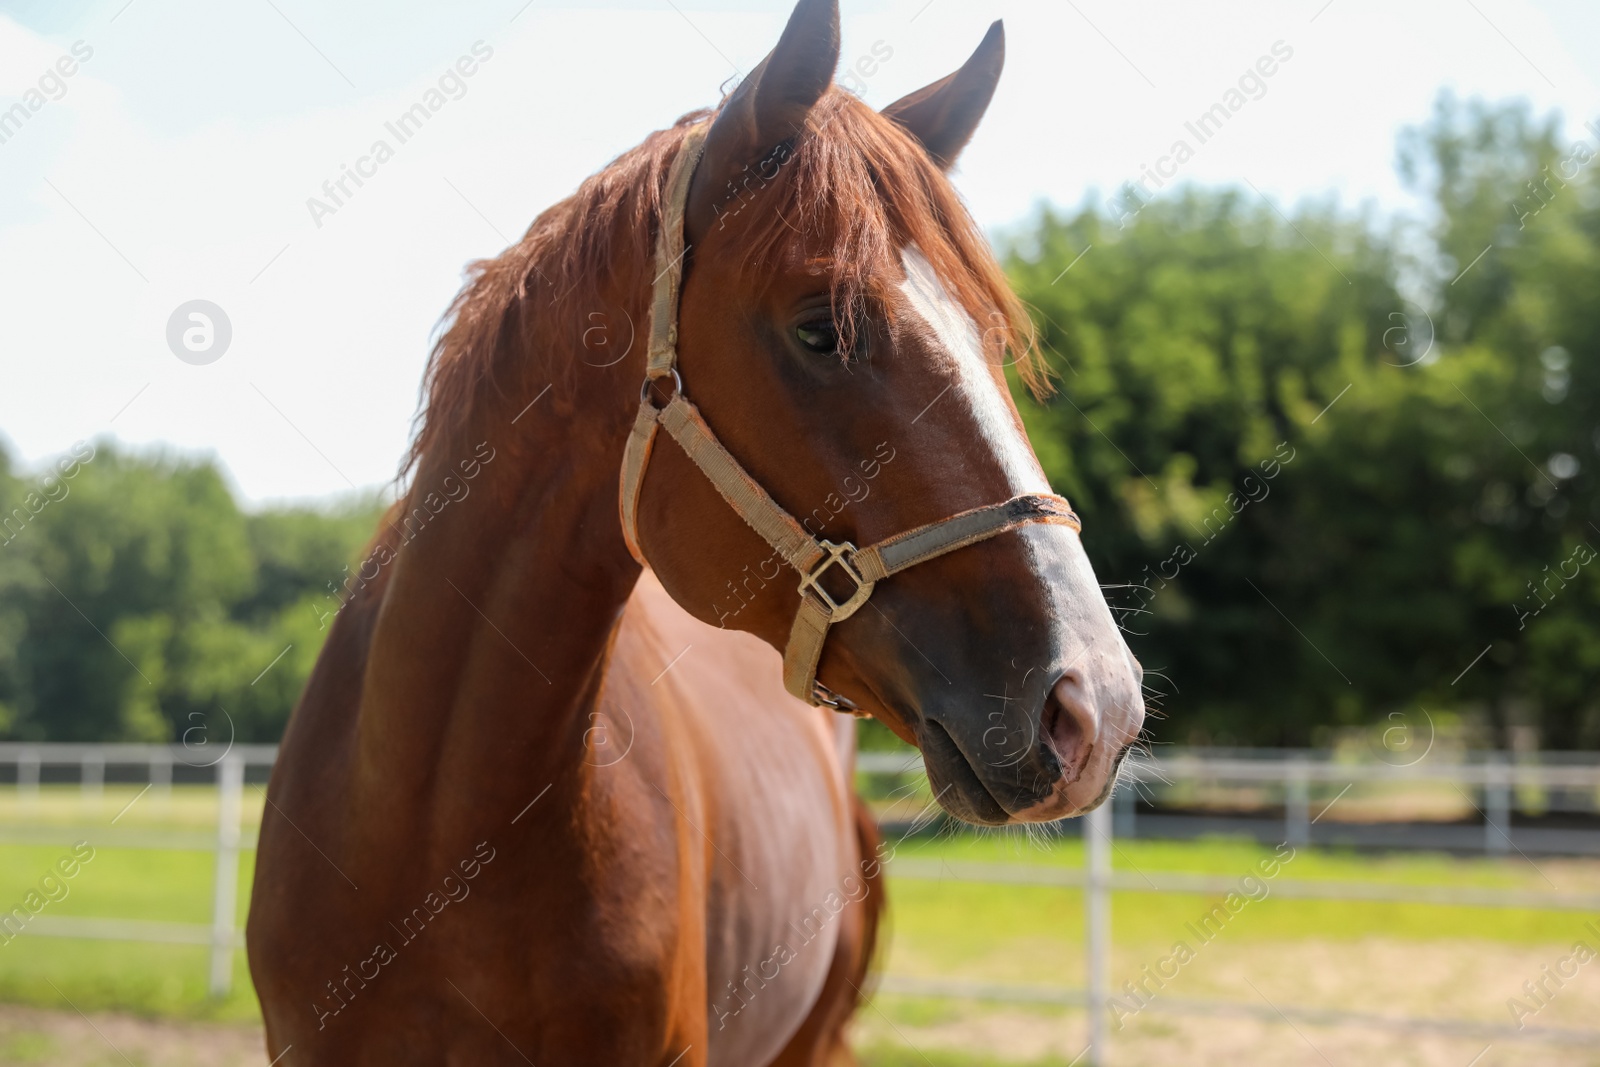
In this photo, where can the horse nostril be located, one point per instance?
(1068, 725)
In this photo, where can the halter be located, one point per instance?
(811, 557)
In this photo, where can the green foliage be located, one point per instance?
(137, 601)
(1323, 500)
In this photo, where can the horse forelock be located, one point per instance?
(854, 191)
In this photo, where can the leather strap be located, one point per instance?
(662, 353)
(635, 456)
(804, 651)
(811, 557)
(894, 554)
(752, 503)
(663, 350)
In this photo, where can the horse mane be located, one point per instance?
(855, 188)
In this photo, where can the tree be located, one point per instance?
(139, 600)
(1399, 471)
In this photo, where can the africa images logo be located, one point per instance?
(199, 332)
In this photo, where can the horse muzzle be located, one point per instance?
(1057, 760)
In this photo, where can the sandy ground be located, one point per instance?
(1466, 980)
(1171, 1041)
(30, 1036)
(35, 1037)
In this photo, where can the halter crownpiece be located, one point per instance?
(811, 557)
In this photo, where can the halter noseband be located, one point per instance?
(810, 556)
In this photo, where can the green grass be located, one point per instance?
(123, 883)
(27, 1048)
(889, 1056)
(166, 981)
(191, 809)
(947, 913)
(1013, 934)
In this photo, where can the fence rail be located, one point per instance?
(1483, 770)
(1200, 884)
(1296, 773)
(1497, 781)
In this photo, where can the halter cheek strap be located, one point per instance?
(861, 569)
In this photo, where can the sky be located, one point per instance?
(184, 159)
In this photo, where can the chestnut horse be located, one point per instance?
(539, 804)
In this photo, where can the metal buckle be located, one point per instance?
(837, 554)
(824, 697)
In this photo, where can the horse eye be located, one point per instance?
(819, 336)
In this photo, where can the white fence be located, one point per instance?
(1296, 775)
(1498, 781)
(158, 763)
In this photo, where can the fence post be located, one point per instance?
(28, 778)
(225, 883)
(1297, 804)
(1497, 805)
(1097, 911)
(161, 774)
(1125, 799)
(92, 776)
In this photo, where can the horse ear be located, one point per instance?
(944, 115)
(768, 108)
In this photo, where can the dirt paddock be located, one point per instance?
(65, 1039)
(31, 1036)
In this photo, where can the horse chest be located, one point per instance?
(776, 909)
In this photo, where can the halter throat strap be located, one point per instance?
(812, 558)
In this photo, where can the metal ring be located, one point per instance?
(677, 387)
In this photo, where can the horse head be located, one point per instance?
(844, 333)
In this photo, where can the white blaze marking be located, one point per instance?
(961, 344)
(1079, 618)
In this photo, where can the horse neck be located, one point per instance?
(491, 641)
